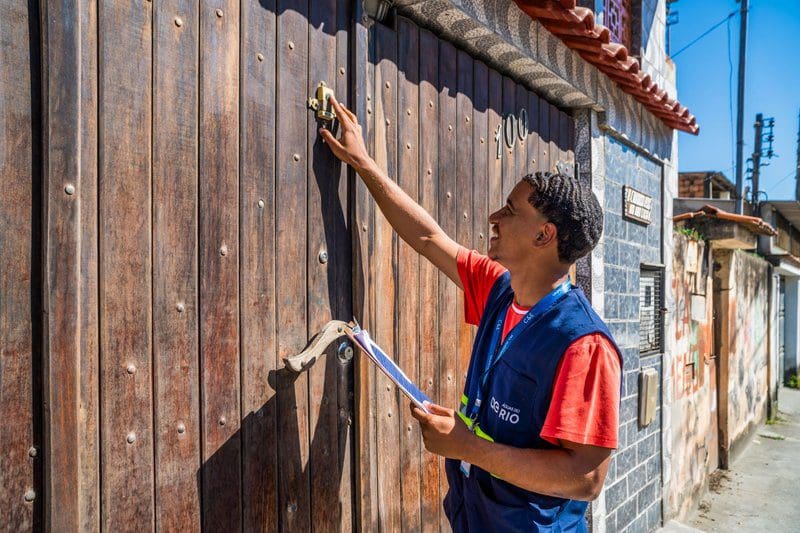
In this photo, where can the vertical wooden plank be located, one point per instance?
(532, 141)
(366, 475)
(89, 408)
(495, 121)
(258, 262)
(384, 260)
(219, 263)
(509, 134)
(480, 159)
(463, 196)
(341, 256)
(20, 263)
(175, 335)
(406, 345)
(448, 325)
(520, 143)
(290, 265)
(554, 137)
(428, 274)
(125, 219)
(326, 228)
(544, 135)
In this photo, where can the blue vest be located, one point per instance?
(516, 397)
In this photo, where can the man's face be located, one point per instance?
(515, 227)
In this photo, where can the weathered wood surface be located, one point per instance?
(431, 123)
(428, 185)
(125, 263)
(257, 268)
(175, 286)
(294, 503)
(20, 283)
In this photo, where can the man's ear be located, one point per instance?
(546, 234)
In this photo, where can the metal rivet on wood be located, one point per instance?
(364, 227)
(260, 57)
(387, 84)
(178, 22)
(30, 495)
(430, 382)
(291, 45)
(179, 307)
(449, 195)
(466, 119)
(341, 71)
(32, 451)
(369, 111)
(181, 428)
(323, 257)
(131, 368)
(408, 111)
(408, 428)
(429, 172)
(449, 127)
(388, 121)
(69, 189)
(533, 160)
(389, 415)
(483, 140)
(261, 204)
(408, 146)
(296, 157)
(131, 437)
(480, 235)
(430, 103)
(222, 421)
(465, 216)
(219, 13)
(223, 250)
(369, 98)
(291, 508)
(449, 378)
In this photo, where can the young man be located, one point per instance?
(530, 443)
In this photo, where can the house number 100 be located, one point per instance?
(511, 129)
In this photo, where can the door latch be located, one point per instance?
(321, 104)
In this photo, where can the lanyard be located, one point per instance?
(498, 349)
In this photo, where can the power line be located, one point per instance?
(786, 177)
(712, 28)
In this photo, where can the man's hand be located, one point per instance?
(443, 433)
(350, 145)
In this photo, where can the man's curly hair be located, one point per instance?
(572, 207)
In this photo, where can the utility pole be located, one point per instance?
(797, 172)
(672, 19)
(757, 163)
(760, 125)
(740, 107)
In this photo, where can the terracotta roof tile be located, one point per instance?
(576, 27)
(754, 224)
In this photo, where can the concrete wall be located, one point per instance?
(742, 304)
(694, 440)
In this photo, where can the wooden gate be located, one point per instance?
(180, 232)
(457, 136)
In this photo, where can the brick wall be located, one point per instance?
(633, 485)
(692, 186)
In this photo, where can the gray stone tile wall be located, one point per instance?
(634, 484)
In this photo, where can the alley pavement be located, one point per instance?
(760, 491)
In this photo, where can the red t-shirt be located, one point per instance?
(584, 407)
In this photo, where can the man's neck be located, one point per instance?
(531, 285)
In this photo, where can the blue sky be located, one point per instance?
(707, 86)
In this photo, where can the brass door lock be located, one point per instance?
(321, 104)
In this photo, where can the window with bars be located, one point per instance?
(617, 17)
(651, 301)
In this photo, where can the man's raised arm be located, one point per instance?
(409, 219)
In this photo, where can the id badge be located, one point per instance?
(465, 466)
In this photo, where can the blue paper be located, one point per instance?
(390, 368)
